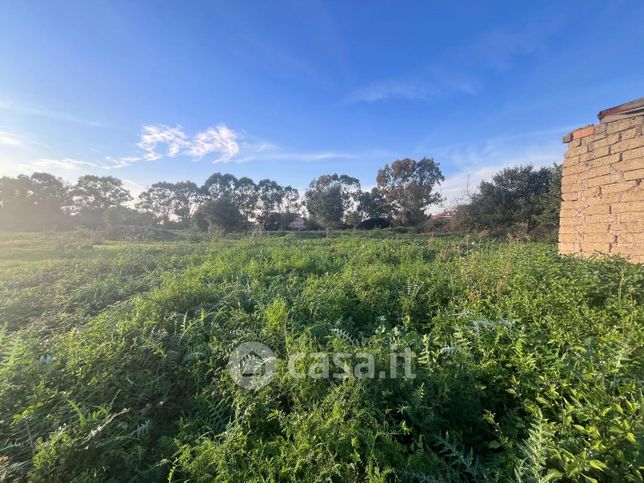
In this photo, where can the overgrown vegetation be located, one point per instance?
(528, 365)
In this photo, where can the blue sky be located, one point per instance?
(167, 90)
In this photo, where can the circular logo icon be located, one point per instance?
(252, 365)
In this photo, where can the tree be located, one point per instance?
(158, 201)
(186, 196)
(220, 186)
(32, 202)
(329, 197)
(291, 202)
(220, 213)
(270, 197)
(511, 199)
(550, 203)
(408, 186)
(98, 193)
(244, 196)
(372, 204)
(170, 200)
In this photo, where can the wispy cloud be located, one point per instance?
(220, 143)
(10, 139)
(220, 139)
(66, 164)
(461, 70)
(170, 140)
(390, 89)
(158, 141)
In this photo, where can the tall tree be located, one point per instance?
(408, 186)
(511, 198)
(32, 202)
(372, 204)
(220, 186)
(167, 201)
(291, 202)
(187, 197)
(270, 197)
(245, 196)
(158, 200)
(329, 197)
(220, 213)
(98, 193)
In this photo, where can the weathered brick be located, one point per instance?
(627, 249)
(604, 141)
(570, 196)
(599, 237)
(568, 247)
(635, 226)
(602, 180)
(618, 187)
(630, 133)
(569, 238)
(581, 149)
(605, 218)
(629, 165)
(594, 227)
(597, 209)
(595, 247)
(626, 217)
(571, 187)
(590, 155)
(596, 172)
(628, 207)
(616, 126)
(571, 169)
(583, 132)
(630, 238)
(570, 212)
(604, 199)
(567, 230)
(637, 174)
(634, 194)
(634, 154)
(604, 160)
(627, 145)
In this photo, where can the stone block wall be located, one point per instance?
(603, 188)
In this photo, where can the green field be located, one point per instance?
(528, 366)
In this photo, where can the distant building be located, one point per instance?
(298, 223)
(444, 214)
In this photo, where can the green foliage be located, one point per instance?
(113, 361)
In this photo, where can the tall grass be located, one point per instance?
(528, 365)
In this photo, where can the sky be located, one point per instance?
(290, 90)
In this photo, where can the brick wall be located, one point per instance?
(603, 189)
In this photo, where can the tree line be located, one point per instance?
(520, 198)
(405, 190)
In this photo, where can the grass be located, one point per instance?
(113, 360)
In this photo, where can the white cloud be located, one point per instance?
(10, 139)
(220, 139)
(66, 164)
(154, 137)
(160, 141)
(227, 145)
(121, 162)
